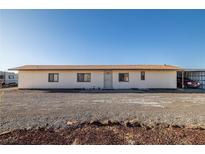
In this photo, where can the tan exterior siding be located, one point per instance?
(153, 79)
(68, 79)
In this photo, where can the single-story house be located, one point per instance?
(97, 76)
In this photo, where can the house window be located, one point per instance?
(142, 75)
(83, 77)
(11, 77)
(53, 77)
(1, 77)
(123, 77)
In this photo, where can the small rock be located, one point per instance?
(6, 132)
(71, 122)
(76, 142)
(131, 142)
(104, 122)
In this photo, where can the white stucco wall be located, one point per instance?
(153, 79)
(68, 79)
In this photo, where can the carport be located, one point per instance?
(193, 74)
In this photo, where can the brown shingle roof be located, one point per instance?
(96, 67)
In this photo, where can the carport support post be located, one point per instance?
(183, 79)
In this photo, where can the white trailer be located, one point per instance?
(8, 78)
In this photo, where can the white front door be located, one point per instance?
(108, 80)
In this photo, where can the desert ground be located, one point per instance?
(70, 117)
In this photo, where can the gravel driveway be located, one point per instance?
(34, 108)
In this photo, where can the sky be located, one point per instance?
(54, 37)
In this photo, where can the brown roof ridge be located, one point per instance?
(95, 67)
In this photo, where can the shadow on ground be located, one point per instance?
(122, 91)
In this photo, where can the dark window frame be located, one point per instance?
(119, 78)
(142, 75)
(83, 77)
(11, 76)
(49, 79)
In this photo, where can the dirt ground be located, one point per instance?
(26, 111)
(113, 134)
